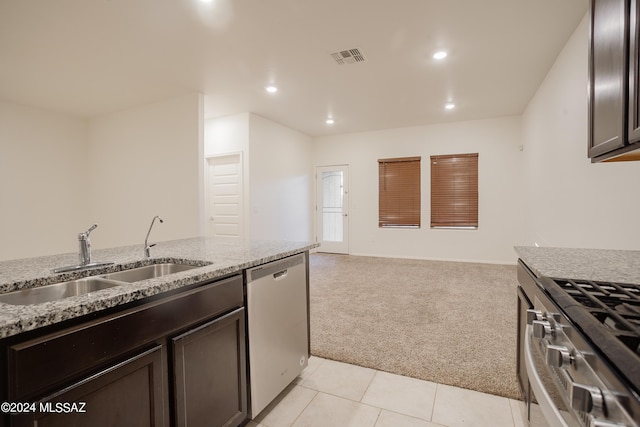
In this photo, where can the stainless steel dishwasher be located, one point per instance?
(277, 318)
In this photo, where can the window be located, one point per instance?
(454, 191)
(399, 192)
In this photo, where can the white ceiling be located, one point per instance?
(91, 57)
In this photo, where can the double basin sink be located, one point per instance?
(58, 291)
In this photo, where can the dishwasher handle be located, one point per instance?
(280, 274)
(276, 269)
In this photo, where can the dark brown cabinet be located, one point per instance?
(614, 109)
(634, 73)
(131, 393)
(210, 369)
(174, 360)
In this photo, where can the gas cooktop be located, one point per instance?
(607, 314)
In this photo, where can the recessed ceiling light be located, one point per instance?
(330, 121)
(441, 54)
(450, 106)
(271, 89)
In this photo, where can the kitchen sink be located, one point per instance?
(56, 291)
(148, 272)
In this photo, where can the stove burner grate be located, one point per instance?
(615, 305)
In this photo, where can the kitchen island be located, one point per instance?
(178, 342)
(218, 258)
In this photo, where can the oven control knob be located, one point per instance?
(587, 399)
(541, 328)
(534, 315)
(558, 356)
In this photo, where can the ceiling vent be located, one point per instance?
(349, 56)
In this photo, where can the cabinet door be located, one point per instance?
(129, 394)
(608, 76)
(210, 373)
(634, 72)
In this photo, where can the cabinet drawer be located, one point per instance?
(39, 365)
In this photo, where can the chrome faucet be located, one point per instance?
(85, 245)
(84, 254)
(146, 245)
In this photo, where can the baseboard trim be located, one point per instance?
(470, 261)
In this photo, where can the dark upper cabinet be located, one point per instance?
(634, 73)
(607, 71)
(614, 116)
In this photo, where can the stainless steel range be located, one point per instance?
(579, 351)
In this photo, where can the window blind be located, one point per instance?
(399, 192)
(454, 190)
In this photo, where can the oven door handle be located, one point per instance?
(550, 411)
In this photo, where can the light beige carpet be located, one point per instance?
(446, 322)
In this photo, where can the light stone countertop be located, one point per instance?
(218, 257)
(621, 266)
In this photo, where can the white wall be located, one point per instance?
(500, 227)
(277, 174)
(60, 174)
(281, 182)
(43, 181)
(230, 135)
(143, 162)
(570, 201)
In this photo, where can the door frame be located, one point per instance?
(329, 247)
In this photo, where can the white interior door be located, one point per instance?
(332, 208)
(224, 195)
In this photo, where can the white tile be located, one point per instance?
(385, 400)
(326, 410)
(393, 419)
(405, 395)
(457, 407)
(517, 410)
(536, 415)
(283, 411)
(340, 379)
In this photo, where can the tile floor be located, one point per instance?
(335, 394)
